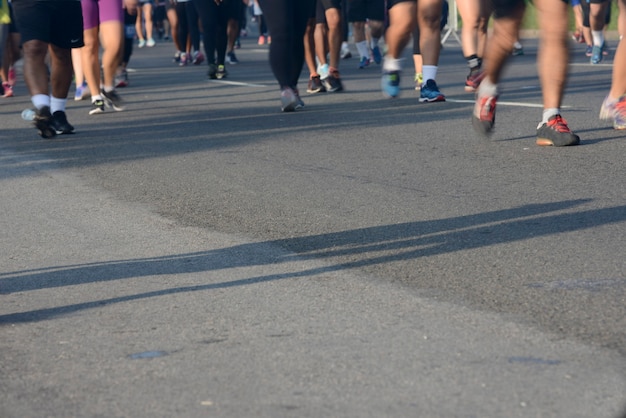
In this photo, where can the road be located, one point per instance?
(204, 254)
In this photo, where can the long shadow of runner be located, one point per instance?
(397, 242)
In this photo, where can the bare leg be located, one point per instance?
(112, 41)
(90, 60)
(35, 72)
(553, 58)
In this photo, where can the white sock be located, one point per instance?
(392, 64)
(95, 98)
(430, 72)
(57, 104)
(549, 112)
(362, 48)
(598, 37)
(487, 88)
(40, 100)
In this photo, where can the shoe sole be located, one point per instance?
(546, 142)
(482, 127)
(45, 130)
(436, 99)
(108, 103)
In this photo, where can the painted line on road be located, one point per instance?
(239, 83)
(517, 104)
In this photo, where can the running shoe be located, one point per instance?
(261, 40)
(430, 93)
(473, 79)
(390, 83)
(82, 92)
(150, 43)
(616, 111)
(121, 79)
(484, 116)
(221, 72)
(364, 62)
(212, 71)
(43, 123)
(419, 80)
(589, 50)
(323, 71)
(8, 89)
(332, 83)
(176, 58)
(112, 99)
(97, 106)
(315, 85)
(12, 77)
(197, 58)
(299, 102)
(556, 133)
(596, 54)
(231, 58)
(142, 43)
(183, 59)
(60, 124)
(517, 51)
(376, 55)
(288, 100)
(345, 52)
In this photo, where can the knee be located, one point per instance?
(35, 49)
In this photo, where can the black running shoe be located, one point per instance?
(43, 123)
(332, 83)
(221, 72)
(315, 85)
(112, 99)
(556, 133)
(97, 106)
(212, 71)
(60, 124)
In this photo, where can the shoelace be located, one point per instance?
(559, 124)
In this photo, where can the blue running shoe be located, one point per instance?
(390, 83)
(377, 55)
(596, 54)
(430, 93)
(364, 63)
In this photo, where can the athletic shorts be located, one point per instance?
(100, 11)
(58, 22)
(12, 25)
(361, 10)
(233, 9)
(323, 5)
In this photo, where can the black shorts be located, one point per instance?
(322, 6)
(233, 9)
(361, 10)
(12, 25)
(58, 22)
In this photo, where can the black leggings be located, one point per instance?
(286, 21)
(188, 25)
(214, 20)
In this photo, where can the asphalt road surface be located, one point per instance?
(203, 254)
